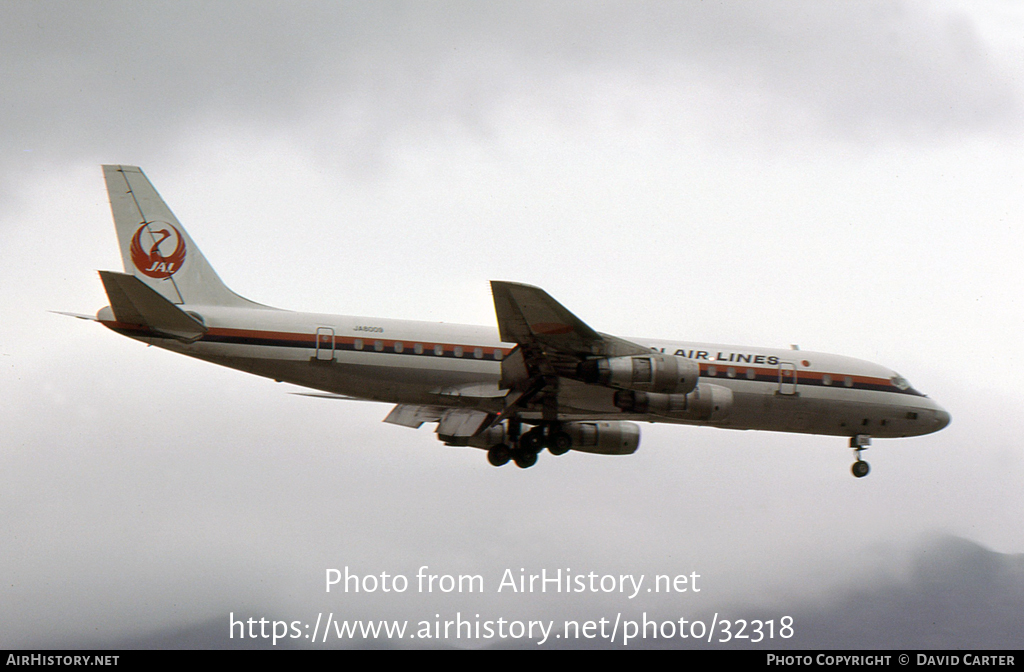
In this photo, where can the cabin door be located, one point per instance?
(787, 378)
(325, 343)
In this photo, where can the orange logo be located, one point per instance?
(155, 264)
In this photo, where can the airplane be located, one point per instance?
(543, 380)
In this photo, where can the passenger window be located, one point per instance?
(458, 351)
(418, 348)
(826, 379)
(378, 346)
(358, 344)
(712, 370)
(848, 381)
(439, 350)
(731, 372)
(751, 374)
(399, 347)
(498, 354)
(478, 353)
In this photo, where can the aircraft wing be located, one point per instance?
(529, 316)
(552, 342)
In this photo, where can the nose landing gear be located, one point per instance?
(860, 468)
(860, 442)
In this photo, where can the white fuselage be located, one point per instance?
(542, 367)
(438, 364)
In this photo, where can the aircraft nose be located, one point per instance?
(942, 418)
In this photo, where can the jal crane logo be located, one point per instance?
(154, 263)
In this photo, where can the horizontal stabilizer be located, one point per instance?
(134, 302)
(91, 318)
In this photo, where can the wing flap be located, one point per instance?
(472, 391)
(463, 423)
(411, 415)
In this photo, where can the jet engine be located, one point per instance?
(604, 438)
(706, 403)
(600, 437)
(658, 373)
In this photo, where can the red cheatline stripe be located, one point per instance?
(312, 339)
(838, 379)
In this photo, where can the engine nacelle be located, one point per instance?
(658, 373)
(491, 436)
(706, 403)
(604, 438)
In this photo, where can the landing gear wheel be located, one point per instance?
(525, 458)
(532, 441)
(499, 455)
(860, 443)
(560, 444)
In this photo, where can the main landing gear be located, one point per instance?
(860, 442)
(524, 449)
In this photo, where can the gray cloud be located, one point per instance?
(840, 173)
(949, 594)
(95, 76)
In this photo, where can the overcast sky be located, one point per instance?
(842, 176)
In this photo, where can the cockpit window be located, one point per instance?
(900, 382)
(903, 385)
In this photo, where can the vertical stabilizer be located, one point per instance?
(155, 247)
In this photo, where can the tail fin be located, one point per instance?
(155, 247)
